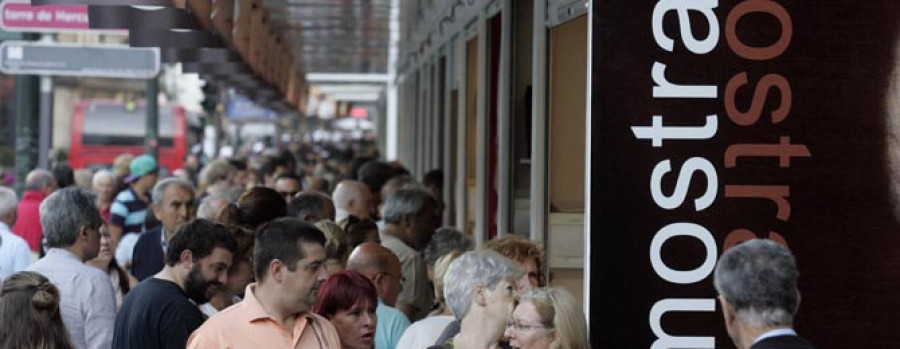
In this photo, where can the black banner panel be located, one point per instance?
(714, 122)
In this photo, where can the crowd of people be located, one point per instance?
(280, 255)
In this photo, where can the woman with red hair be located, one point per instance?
(349, 300)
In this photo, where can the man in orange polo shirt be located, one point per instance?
(288, 260)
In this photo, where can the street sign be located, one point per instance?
(23, 57)
(21, 16)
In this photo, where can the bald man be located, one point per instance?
(382, 267)
(353, 198)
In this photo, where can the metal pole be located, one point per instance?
(295, 127)
(151, 146)
(449, 142)
(26, 124)
(45, 108)
(588, 167)
(46, 121)
(462, 129)
(219, 117)
(238, 142)
(481, 137)
(505, 198)
(216, 118)
(539, 124)
(392, 119)
(304, 129)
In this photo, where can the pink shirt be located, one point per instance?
(246, 325)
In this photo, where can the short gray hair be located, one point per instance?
(759, 279)
(161, 186)
(64, 212)
(482, 267)
(8, 201)
(209, 210)
(39, 179)
(100, 175)
(444, 241)
(407, 202)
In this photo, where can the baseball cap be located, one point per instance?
(140, 166)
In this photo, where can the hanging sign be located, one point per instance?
(21, 16)
(714, 122)
(32, 58)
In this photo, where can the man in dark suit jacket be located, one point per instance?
(148, 254)
(783, 342)
(173, 204)
(757, 285)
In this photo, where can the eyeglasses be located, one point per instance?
(518, 326)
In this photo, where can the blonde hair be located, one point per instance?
(440, 268)
(214, 171)
(120, 165)
(559, 310)
(336, 241)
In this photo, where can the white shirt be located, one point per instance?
(209, 310)
(87, 301)
(125, 251)
(15, 255)
(340, 214)
(162, 241)
(424, 333)
(776, 333)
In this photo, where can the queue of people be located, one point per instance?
(161, 264)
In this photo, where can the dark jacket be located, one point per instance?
(148, 257)
(783, 342)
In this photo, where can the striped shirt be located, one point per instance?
(128, 211)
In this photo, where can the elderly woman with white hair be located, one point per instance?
(547, 318)
(103, 184)
(480, 289)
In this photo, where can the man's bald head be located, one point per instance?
(353, 198)
(40, 180)
(381, 266)
(373, 258)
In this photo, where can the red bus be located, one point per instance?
(102, 130)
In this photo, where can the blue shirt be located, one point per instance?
(390, 326)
